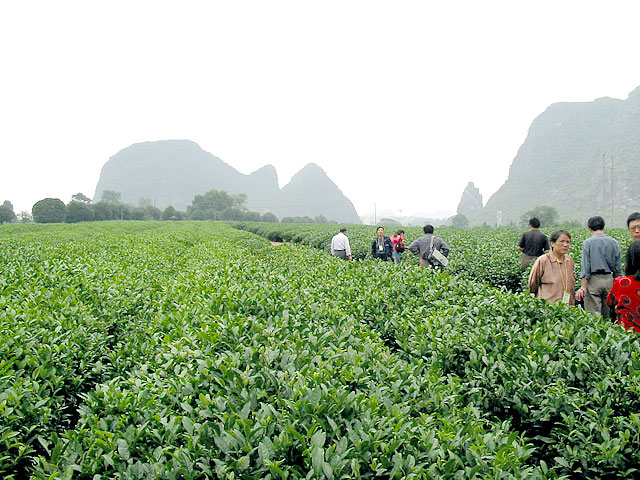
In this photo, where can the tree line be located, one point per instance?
(212, 205)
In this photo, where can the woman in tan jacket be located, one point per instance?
(552, 276)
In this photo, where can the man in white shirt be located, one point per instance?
(340, 245)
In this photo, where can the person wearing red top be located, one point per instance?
(625, 294)
(398, 246)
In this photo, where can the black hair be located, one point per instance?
(632, 267)
(399, 232)
(556, 235)
(428, 229)
(634, 216)
(595, 223)
(380, 227)
(343, 229)
(534, 222)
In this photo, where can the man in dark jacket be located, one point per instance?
(381, 248)
(532, 243)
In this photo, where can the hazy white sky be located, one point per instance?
(379, 94)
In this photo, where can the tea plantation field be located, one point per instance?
(195, 350)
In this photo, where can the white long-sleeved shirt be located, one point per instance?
(340, 242)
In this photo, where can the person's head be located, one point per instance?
(534, 222)
(400, 232)
(633, 224)
(380, 231)
(428, 229)
(560, 242)
(632, 267)
(343, 230)
(595, 224)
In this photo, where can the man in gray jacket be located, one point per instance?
(600, 265)
(424, 245)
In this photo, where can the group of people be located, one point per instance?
(603, 289)
(433, 250)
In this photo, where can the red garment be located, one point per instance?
(397, 242)
(625, 295)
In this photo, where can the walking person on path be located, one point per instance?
(600, 265)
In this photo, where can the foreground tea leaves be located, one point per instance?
(192, 351)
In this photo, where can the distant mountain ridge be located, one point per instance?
(172, 172)
(561, 165)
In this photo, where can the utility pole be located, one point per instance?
(375, 215)
(612, 192)
(604, 181)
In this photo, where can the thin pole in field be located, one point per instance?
(612, 190)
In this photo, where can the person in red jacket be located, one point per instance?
(398, 246)
(625, 294)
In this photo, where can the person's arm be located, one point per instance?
(347, 249)
(521, 243)
(373, 249)
(583, 289)
(611, 298)
(617, 270)
(444, 248)
(414, 248)
(332, 245)
(389, 246)
(585, 271)
(535, 276)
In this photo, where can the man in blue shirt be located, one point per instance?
(600, 265)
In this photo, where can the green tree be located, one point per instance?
(197, 215)
(78, 212)
(123, 212)
(269, 217)
(214, 202)
(460, 220)
(170, 213)
(153, 212)
(239, 200)
(252, 217)
(102, 211)
(109, 196)
(548, 216)
(6, 213)
(24, 217)
(138, 213)
(232, 214)
(49, 210)
(79, 197)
